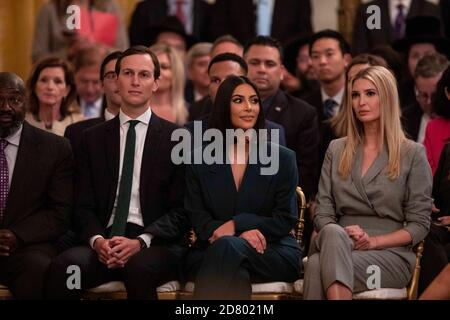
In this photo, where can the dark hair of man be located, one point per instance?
(228, 56)
(221, 113)
(343, 45)
(69, 78)
(112, 56)
(441, 102)
(264, 41)
(431, 65)
(139, 50)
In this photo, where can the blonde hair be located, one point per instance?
(390, 126)
(178, 81)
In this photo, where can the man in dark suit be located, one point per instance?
(221, 67)
(126, 211)
(111, 96)
(299, 119)
(365, 39)
(244, 19)
(151, 13)
(35, 194)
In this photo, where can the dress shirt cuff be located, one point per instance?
(147, 237)
(92, 240)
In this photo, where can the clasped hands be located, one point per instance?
(116, 252)
(361, 240)
(254, 237)
(8, 242)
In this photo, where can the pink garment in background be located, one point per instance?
(437, 134)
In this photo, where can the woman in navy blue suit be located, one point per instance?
(244, 207)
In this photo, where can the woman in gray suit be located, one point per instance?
(374, 200)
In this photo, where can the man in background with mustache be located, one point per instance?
(35, 193)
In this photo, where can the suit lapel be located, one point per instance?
(356, 174)
(150, 154)
(27, 156)
(276, 107)
(112, 139)
(380, 162)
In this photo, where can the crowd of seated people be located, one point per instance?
(90, 139)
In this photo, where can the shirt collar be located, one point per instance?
(108, 115)
(14, 139)
(144, 118)
(337, 97)
(394, 3)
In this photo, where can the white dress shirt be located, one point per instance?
(109, 115)
(338, 98)
(96, 109)
(135, 214)
(423, 126)
(11, 151)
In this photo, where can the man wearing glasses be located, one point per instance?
(426, 76)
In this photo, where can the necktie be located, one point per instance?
(4, 179)
(329, 105)
(126, 181)
(180, 12)
(89, 111)
(399, 25)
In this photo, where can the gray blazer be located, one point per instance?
(376, 203)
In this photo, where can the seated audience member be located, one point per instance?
(226, 44)
(221, 67)
(423, 36)
(242, 237)
(89, 88)
(197, 61)
(52, 36)
(439, 289)
(52, 91)
(436, 254)
(108, 79)
(374, 198)
(168, 99)
(299, 76)
(193, 14)
(437, 132)
(35, 194)
(416, 116)
(126, 210)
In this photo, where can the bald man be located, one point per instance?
(35, 194)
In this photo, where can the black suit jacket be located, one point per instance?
(238, 17)
(299, 121)
(365, 39)
(161, 182)
(74, 133)
(40, 197)
(151, 13)
(411, 118)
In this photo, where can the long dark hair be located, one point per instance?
(441, 102)
(221, 114)
(66, 107)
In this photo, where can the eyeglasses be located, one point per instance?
(111, 75)
(12, 101)
(423, 96)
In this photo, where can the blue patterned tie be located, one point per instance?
(329, 106)
(4, 179)
(126, 182)
(399, 25)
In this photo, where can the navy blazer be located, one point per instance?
(264, 202)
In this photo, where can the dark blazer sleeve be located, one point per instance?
(53, 219)
(86, 221)
(284, 213)
(202, 221)
(175, 223)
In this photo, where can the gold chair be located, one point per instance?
(270, 290)
(406, 293)
(5, 294)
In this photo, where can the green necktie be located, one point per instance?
(126, 181)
